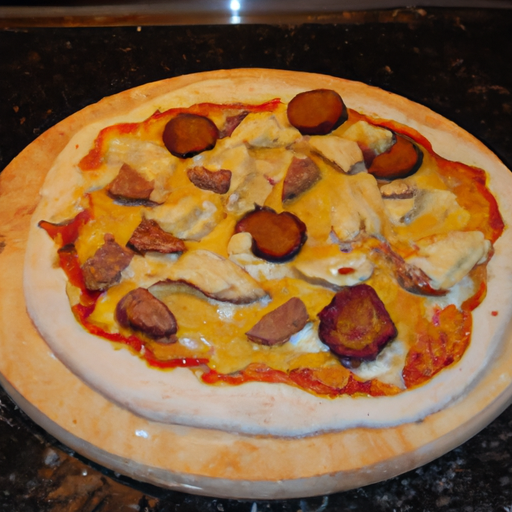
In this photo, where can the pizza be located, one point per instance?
(270, 401)
(270, 253)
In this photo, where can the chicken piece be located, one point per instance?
(357, 206)
(399, 199)
(217, 277)
(370, 138)
(408, 276)
(341, 269)
(189, 218)
(343, 154)
(440, 208)
(253, 190)
(273, 163)
(266, 130)
(231, 156)
(398, 189)
(447, 259)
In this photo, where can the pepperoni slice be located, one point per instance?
(402, 159)
(317, 112)
(187, 135)
(356, 323)
(277, 237)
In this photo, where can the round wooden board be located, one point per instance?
(195, 460)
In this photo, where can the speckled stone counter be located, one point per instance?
(457, 62)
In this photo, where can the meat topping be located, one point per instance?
(276, 327)
(231, 123)
(356, 324)
(214, 181)
(149, 236)
(302, 174)
(187, 135)
(142, 311)
(317, 112)
(276, 236)
(402, 159)
(103, 270)
(129, 185)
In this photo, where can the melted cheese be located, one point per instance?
(189, 213)
(331, 266)
(109, 217)
(222, 326)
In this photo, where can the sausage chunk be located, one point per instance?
(276, 327)
(149, 236)
(143, 312)
(214, 181)
(129, 185)
(103, 270)
(231, 123)
(302, 174)
(356, 324)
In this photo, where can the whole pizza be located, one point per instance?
(271, 254)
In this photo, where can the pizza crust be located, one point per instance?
(264, 467)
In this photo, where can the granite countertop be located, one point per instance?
(456, 61)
